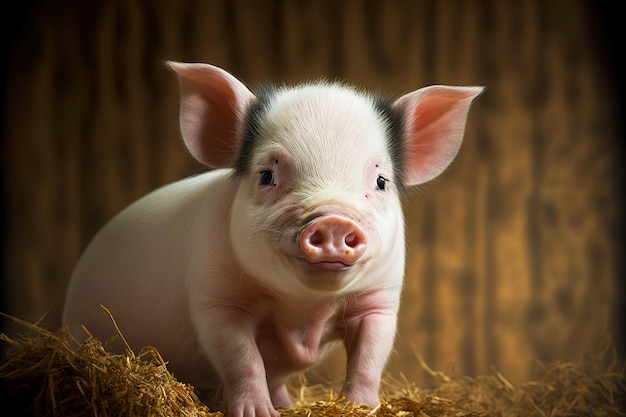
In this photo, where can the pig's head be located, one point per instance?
(319, 169)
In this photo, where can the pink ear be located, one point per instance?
(211, 112)
(435, 122)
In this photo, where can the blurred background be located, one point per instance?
(515, 253)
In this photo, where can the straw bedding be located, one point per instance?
(56, 375)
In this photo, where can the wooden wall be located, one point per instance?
(514, 252)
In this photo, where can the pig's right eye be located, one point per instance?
(266, 177)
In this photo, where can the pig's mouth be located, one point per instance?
(325, 265)
(326, 276)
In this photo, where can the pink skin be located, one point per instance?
(289, 340)
(332, 242)
(245, 282)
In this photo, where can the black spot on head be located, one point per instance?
(394, 119)
(252, 128)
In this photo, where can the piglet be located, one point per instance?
(245, 274)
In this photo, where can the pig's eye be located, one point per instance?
(266, 177)
(380, 182)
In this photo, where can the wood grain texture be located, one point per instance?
(514, 253)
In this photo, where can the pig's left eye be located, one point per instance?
(380, 183)
(266, 177)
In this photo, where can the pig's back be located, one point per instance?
(136, 265)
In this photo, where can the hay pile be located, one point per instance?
(59, 376)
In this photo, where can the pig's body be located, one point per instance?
(243, 275)
(155, 289)
(144, 279)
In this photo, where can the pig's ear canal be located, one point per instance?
(433, 130)
(212, 109)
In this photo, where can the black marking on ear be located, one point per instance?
(252, 130)
(394, 119)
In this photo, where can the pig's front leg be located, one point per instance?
(369, 341)
(228, 337)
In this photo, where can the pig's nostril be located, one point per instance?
(351, 240)
(316, 238)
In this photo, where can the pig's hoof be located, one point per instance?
(367, 397)
(280, 397)
(252, 409)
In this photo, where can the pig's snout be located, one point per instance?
(332, 242)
